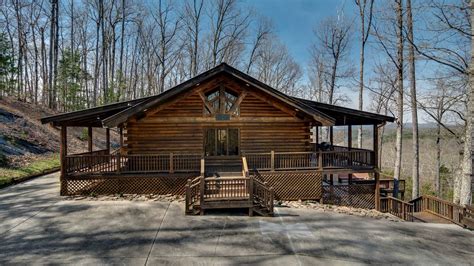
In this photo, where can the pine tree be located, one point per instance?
(7, 67)
(69, 77)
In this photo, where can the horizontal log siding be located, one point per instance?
(148, 137)
(152, 135)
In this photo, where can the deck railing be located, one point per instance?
(226, 187)
(99, 162)
(192, 194)
(102, 162)
(333, 159)
(401, 209)
(263, 194)
(88, 160)
(439, 207)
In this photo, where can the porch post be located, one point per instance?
(331, 135)
(376, 167)
(349, 147)
(62, 155)
(121, 137)
(89, 139)
(272, 160)
(107, 139)
(316, 138)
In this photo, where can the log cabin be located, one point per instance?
(224, 140)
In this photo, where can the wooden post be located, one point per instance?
(121, 137)
(250, 188)
(271, 199)
(107, 139)
(272, 161)
(201, 196)
(331, 135)
(62, 155)
(349, 148)
(171, 163)
(89, 139)
(349, 137)
(376, 167)
(316, 138)
(187, 196)
(203, 167)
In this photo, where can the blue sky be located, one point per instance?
(294, 20)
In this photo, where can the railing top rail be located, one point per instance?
(225, 178)
(259, 182)
(135, 155)
(441, 200)
(398, 200)
(296, 152)
(196, 180)
(345, 151)
(89, 153)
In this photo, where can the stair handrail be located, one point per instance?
(245, 168)
(439, 207)
(203, 167)
(397, 207)
(191, 196)
(263, 194)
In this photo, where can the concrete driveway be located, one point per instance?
(38, 227)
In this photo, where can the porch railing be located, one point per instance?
(332, 159)
(439, 207)
(101, 162)
(401, 209)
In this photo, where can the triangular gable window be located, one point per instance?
(221, 101)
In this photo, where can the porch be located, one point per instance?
(103, 162)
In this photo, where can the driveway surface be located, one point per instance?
(38, 227)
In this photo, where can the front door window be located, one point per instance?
(221, 141)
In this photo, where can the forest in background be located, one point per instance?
(69, 55)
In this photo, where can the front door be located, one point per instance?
(221, 141)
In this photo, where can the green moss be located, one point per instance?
(9, 175)
(84, 134)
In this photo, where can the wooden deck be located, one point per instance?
(426, 217)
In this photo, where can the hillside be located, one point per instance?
(27, 146)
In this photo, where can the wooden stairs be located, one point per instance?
(228, 190)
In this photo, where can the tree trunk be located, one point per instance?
(438, 161)
(465, 193)
(56, 48)
(399, 121)
(414, 107)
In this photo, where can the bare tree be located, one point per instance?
(264, 29)
(389, 34)
(228, 29)
(365, 13)
(276, 67)
(168, 27)
(333, 40)
(450, 24)
(446, 99)
(414, 107)
(398, 147)
(192, 18)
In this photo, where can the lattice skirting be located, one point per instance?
(156, 184)
(355, 195)
(296, 185)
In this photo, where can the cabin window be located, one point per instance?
(221, 101)
(221, 141)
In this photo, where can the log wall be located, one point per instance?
(179, 128)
